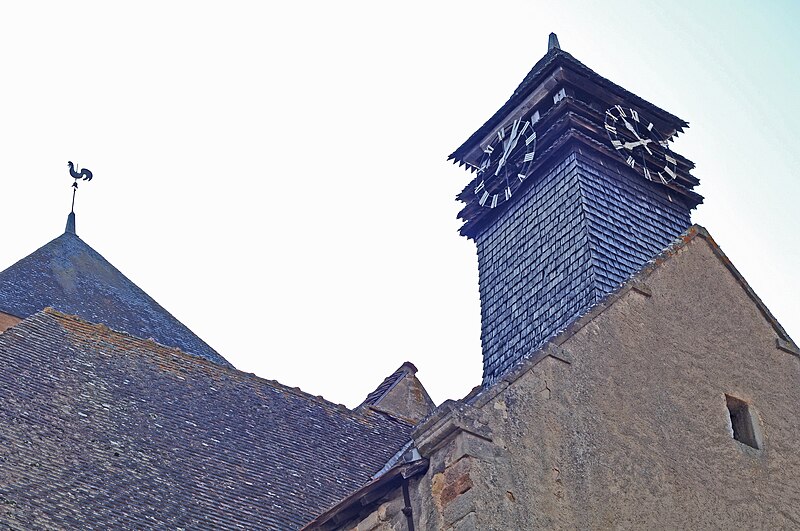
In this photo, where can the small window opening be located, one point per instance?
(742, 423)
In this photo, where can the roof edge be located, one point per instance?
(366, 495)
(703, 233)
(132, 306)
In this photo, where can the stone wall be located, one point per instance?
(622, 421)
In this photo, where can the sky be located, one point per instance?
(274, 173)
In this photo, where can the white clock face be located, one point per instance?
(505, 163)
(639, 144)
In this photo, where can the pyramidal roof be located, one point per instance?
(70, 276)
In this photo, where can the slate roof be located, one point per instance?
(99, 429)
(67, 274)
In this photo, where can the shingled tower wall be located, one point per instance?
(582, 221)
(579, 231)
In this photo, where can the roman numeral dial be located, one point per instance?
(640, 145)
(506, 160)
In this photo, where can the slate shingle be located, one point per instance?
(102, 430)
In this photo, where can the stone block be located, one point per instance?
(468, 445)
(468, 523)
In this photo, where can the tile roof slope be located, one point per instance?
(67, 274)
(99, 429)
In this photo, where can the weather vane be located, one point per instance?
(84, 174)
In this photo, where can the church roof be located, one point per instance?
(104, 430)
(67, 274)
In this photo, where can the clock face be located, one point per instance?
(506, 161)
(636, 140)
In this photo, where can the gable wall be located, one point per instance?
(632, 430)
(635, 430)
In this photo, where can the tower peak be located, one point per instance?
(552, 42)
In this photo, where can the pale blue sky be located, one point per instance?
(274, 173)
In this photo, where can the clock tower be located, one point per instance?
(574, 189)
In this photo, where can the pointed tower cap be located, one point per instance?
(552, 42)
(70, 224)
(69, 275)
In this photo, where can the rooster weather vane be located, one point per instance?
(77, 173)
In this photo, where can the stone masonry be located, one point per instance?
(621, 421)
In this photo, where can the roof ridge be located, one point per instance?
(107, 329)
(61, 316)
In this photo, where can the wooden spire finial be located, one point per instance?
(552, 42)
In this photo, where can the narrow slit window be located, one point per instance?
(743, 425)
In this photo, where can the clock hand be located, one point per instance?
(632, 130)
(508, 146)
(500, 165)
(504, 158)
(631, 145)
